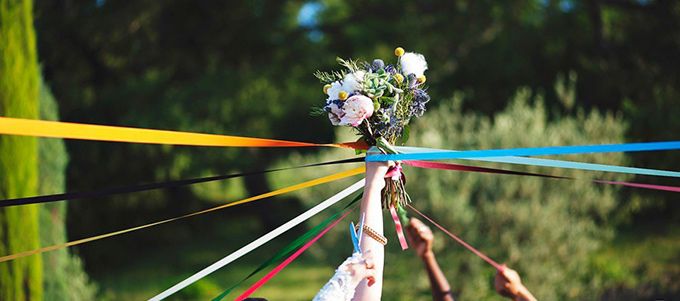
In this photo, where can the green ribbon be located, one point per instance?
(403, 215)
(290, 247)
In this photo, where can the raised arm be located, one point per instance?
(421, 239)
(371, 207)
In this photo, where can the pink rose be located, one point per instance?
(356, 109)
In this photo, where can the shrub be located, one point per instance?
(64, 276)
(544, 228)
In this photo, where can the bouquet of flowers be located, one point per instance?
(378, 100)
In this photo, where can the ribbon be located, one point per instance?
(460, 167)
(150, 186)
(450, 166)
(260, 241)
(289, 248)
(394, 172)
(532, 151)
(640, 185)
(286, 262)
(67, 130)
(460, 241)
(559, 164)
(291, 188)
(398, 228)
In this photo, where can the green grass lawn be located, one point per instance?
(299, 281)
(152, 271)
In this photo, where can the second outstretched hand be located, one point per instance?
(421, 239)
(420, 236)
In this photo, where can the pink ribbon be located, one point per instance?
(640, 185)
(394, 173)
(398, 228)
(288, 260)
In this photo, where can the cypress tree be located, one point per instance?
(19, 88)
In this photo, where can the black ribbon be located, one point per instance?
(151, 186)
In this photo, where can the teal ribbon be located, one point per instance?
(552, 163)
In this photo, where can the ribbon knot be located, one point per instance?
(395, 173)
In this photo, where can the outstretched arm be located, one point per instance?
(421, 239)
(509, 284)
(372, 209)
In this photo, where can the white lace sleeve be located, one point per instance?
(340, 287)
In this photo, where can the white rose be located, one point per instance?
(413, 63)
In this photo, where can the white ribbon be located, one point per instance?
(260, 241)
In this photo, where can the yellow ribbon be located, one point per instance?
(295, 187)
(56, 129)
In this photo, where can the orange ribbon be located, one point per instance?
(67, 130)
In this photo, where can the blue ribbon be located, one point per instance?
(532, 151)
(550, 163)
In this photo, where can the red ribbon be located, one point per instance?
(640, 185)
(460, 241)
(398, 228)
(288, 260)
(459, 167)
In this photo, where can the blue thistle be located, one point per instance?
(390, 69)
(420, 98)
(377, 65)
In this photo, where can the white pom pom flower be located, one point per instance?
(413, 63)
(352, 81)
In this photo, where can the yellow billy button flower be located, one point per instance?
(399, 78)
(421, 79)
(325, 88)
(342, 95)
(399, 51)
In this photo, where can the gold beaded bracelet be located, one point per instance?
(372, 234)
